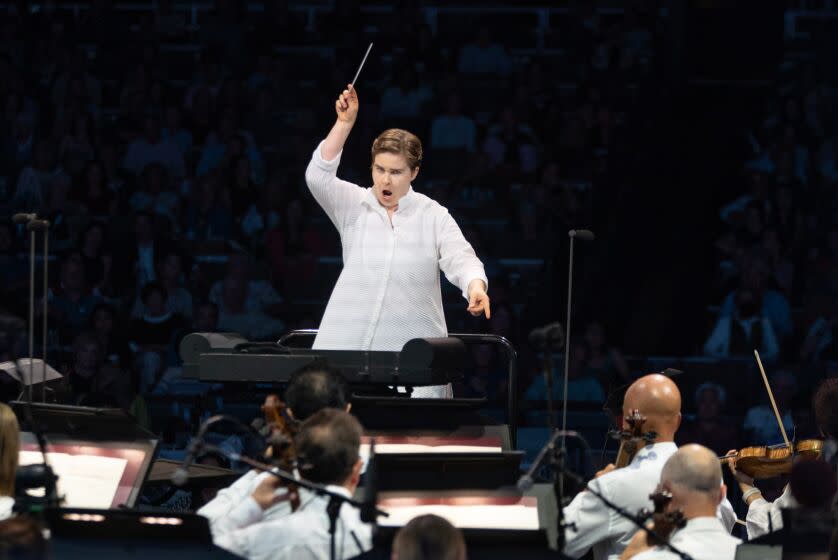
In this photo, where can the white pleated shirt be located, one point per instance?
(389, 289)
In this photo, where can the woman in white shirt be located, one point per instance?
(395, 241)
(10, 446)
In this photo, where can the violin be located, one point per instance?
(763, 461)
(769, 461)
(632, 439)
(280, 449)
(665, 522)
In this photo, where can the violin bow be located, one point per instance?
(773, 402)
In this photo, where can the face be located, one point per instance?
(391, 178)
(103, 321)
(156, 304)
(88, 355)
(171, 268)
(708, 404)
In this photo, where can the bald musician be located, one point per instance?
(597, 527)
(764, 516)
(693, 475)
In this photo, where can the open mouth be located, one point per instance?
(385, 192)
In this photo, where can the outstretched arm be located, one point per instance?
(346, 107)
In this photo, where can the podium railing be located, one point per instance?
(468, 338)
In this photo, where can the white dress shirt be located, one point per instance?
(303, 535)
(6, 505)
(602, 529)
(233, 507)
(765, 517)
(389, 289)
(703, 538)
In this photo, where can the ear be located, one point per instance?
(290, 413)
(414, 174)
(356, 472)
(722, 493)
(678, 422)
(348, 407)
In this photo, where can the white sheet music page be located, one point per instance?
(85, 481)
(464, 514)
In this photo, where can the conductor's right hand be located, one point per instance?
(346, 105)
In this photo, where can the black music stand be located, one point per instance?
(90, 431)
(85, 533)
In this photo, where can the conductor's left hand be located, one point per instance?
(478, 299)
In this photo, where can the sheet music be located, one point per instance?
(384, 448)
(466, 516)
(38, 371)
(85, 481)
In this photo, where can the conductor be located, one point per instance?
(395, 242)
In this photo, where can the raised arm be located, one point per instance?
(346, 107)
(336, 197)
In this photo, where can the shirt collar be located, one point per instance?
(654, 451)
(703, 524)
(338, 490)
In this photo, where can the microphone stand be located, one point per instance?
(560, 455)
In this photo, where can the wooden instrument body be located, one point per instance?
(760, 462)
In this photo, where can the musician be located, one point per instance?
(395, 241)
(310, 389)
(328, 446)
(10, 445)
(596, 526)
(693, 475)
(764, 516)
(429, 537)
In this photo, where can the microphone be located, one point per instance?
(552, 334)
(368, 506)
(181, 474)
(37, 225)
(582, 234)
(23, 217)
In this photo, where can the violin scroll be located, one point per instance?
(632, 439)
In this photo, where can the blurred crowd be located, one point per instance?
(166, 147)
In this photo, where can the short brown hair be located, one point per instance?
(328, 446)
(398, 141)
(9, 449)
(429, 537)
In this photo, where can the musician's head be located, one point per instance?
(328, 448)
(693, 475)
(313, 388)
(659, 400)
(396, 158)
(813, 484)
(9, 449)
(825, 403)
(429, 537)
